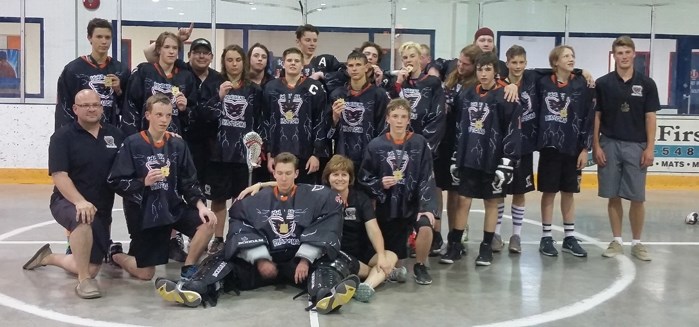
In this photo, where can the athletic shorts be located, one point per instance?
(622, 176)
(64, 212)
(442, 175)
(523, 176)
(151, 247)
(225, 180)
(557, 172)
(395, 235)
(477, 184)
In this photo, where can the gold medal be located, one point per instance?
(564, 113)
(165, 171)
(289, 115)
(175, 90)
(398, 175)
(284, 228)
(478, 124)
(625, 107)
(107, 81)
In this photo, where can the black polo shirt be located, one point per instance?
(624, 105)
(87, 160)
(358, 210)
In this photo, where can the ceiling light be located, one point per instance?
(404, 8)
(170, 8)
(253, 8)
(322, 4)
(156, 0)
(181, 14)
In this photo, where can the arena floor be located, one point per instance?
(517, 290)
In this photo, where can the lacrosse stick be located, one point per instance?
(253, 148)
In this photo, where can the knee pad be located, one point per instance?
(422, 221)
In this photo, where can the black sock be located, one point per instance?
(220, 239)
(455, 235)
(488, 237)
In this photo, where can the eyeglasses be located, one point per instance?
(89, 105)
(201, 53)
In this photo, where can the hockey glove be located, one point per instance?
(454, 171)
(503, 174)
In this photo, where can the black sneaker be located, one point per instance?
(570, 245)
(422, 277)
(546, 247)
(485, 255)
(176, 249)
(437, 244)
(454, 253)
(114, 248)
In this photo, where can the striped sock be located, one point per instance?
(546, 228)
(517, 218)
(501, 211)
(569, 229)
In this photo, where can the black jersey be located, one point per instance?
(296, 118)
(200, 128)
(311, 214)
(363, 119)
(528, 99)
(446, 146)
(487, 130)
(566, 114)
(161, 202)
(411, 163)
(323, 63)
(357, 211)
(446, 66)
(148, 79)
(427, 113)
(239, 112)
(84, 73)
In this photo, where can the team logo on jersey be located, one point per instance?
(105, 93)
(306, 72)
(284, 228)
(413, 96)
(155, 162)
(528, 181)
(398, 166)
(351, 213)
(353, 115)
(526, 102)
(109, 141)
(477, 114)
(557, 105)
(234, 107)
(289, 106)
(637, 90)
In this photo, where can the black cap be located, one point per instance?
(200, 43)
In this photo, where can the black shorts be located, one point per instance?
(353, 262)
(200, 151)
(64, 212)
(313, 178)
(395, 235)
(151, 247)
(557, 172)
(477, 184)
(363, 254)
(442, 175)
(522, 178)
(225, 180)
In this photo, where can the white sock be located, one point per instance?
(517, 219)
(546, 229)
(618, 240)
(634, 242)
(501, 211)
(569, 229)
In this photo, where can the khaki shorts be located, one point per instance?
(622, 176)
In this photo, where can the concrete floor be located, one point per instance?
(517, 290)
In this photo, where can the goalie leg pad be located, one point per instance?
(331, 283)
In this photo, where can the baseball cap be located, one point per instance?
(200, 43)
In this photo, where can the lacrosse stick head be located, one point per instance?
(253, 147)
